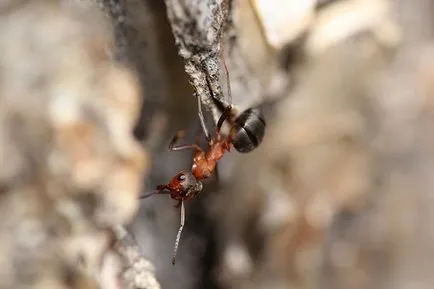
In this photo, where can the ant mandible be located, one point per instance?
(246, 133)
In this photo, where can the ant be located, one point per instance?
(246, 133)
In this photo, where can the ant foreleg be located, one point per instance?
(178, 135)
(178, 236)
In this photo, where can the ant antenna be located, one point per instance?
(155, 192)
(147, 195)
(178, 236)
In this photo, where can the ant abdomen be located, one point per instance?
(248, 130)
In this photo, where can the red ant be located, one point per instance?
(246, 133)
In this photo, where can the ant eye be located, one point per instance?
(181, 177)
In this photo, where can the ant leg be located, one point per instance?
(178, 236)
(174, 147)
(221, 105)
(198, 139)
(178, 135)
(217, 174)
(202, 119)
(228, 81)
(227, 109)
(223, 117)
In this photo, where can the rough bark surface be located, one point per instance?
(72, 170)
(197, 28)
(339, 194)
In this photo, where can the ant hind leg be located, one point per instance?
(225, 115)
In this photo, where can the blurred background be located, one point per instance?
(338, 195)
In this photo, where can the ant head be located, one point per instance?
(186, 184)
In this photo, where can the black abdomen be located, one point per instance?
(249, 130)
